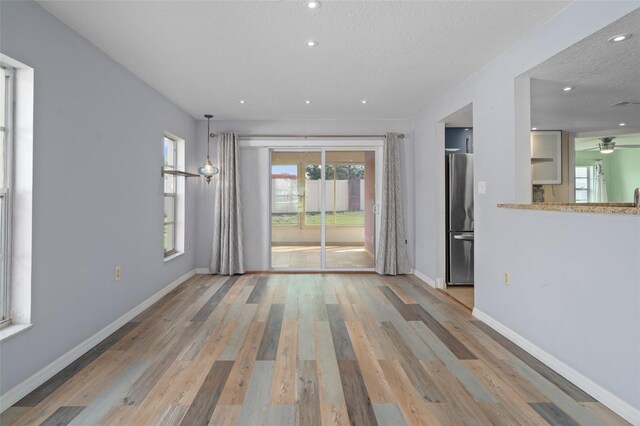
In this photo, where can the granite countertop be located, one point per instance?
(607, 208)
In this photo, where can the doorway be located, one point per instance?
(459, 240)
(324, 208)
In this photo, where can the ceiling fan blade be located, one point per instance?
(589, 149)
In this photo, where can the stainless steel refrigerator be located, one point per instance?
(459, 219)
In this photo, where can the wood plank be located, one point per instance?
(255, 408)
(519, 409)
(62, 416)
(225, 415)
(112, 395)
(306, 341)
(414, 409)
(566, 386)
(388, 415)
(608, 416)
(213, 302)
(152, 375)
(411, 365)
(283, 388)
(339, 334)
(565, 402)
(460, 399)
(171, 416)
(494, 356)
(204, 404)
(405, 310)
(377, 386)
(258, 290)
(553, 414)
(328, 372)
(355, 393)
(454, 345)
(48, 387)
(237, 338)
(454, 365)
(269, 344)
(308, 410)
(118, 415)
(334, 414)
(235, 389)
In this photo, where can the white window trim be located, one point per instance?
(180, 200)
(22, 203)
(7, 210)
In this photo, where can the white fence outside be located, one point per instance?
(284, 195)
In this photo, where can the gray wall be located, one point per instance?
(255, 188)
(97, 196)
(562, 297)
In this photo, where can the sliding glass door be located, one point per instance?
(323, 209)
(295, 210)
(349, 209)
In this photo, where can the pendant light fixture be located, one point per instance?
(208, 169)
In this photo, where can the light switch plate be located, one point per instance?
(482, 187)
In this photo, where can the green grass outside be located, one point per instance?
(313, 219)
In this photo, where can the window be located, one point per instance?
(170, 195)
(583, 184)
(6, 161)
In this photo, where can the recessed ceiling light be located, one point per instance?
(567, 88)
(364, 101)
(623, 124)
(242, 101)
(312, 43)
(619, 37)
(307, 102)
(534, 128)
(313, 4)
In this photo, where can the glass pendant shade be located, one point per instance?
(208, 170)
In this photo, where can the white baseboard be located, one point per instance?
(21, 390)
(614, 403)
(204, 271)
(424, 278)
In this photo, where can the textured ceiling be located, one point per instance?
(208, 55)
(601, 73)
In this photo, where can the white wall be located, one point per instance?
(97, 190)
(255, 179)
(562, 298)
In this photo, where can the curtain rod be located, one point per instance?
(401, 136)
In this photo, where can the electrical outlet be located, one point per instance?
(482, 187)
(506, 278)
(117, 274)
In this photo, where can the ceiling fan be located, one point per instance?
(607, 145)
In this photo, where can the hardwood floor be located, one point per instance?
(307, 349)
(462, 293)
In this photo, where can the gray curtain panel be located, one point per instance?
(226, 253)
(392, 249)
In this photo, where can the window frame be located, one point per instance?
(173, 195)
(588, 177)
(6, 210)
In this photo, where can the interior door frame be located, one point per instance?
(322, 147)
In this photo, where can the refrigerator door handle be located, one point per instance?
(467, 237)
